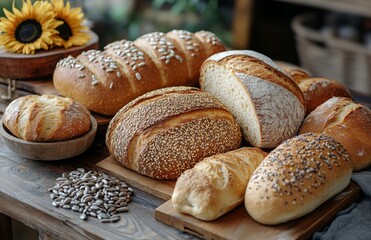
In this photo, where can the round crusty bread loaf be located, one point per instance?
(318, 90)
(46, 118)
(104, 81)
(296, 73)
(217, 184)
(347, 122)
(267, 104)
(297, 177)
(167, 131)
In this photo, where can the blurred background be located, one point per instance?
(328, 38)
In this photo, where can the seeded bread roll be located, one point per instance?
(217, 184)
(167, 131)
(297, 177)
(318, 90)
(46, 118)
(267, 104)
(347, 122)
(104, 81)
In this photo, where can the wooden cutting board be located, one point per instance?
(237, 224)
(160, 188)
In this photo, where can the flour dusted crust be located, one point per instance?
(216, 184)
(167, 131)
(238, 79)
(46, 118)
(297, 177)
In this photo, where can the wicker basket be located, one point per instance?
(326, 56)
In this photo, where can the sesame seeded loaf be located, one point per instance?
(46, 118)
(268, 105)
(297, 177)
(347, 122)
(167, 131)
(217, 184)
(104, 81)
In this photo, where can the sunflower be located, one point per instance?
(72, 32)
(31, 28)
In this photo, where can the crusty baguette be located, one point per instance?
(46, 118)
(217, 184)
(347, 122)
(297, 177)
(167, 131)
(318, 90)
(104, 81)
(268, 104)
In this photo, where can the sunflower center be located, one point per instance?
(28, 31)
(64, 30)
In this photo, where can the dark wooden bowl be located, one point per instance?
(49, 151)
(42, 63)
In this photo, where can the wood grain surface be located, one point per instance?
(42, 63)
(237, 224)
(160, 188)
(24, 197)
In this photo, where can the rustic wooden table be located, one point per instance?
(24, 197)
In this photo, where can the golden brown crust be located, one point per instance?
(296, 73)
(165, 132)
(347, 122)
(318, 90)
(104, 81)
(216, 184)
(46, 118)
(297, 177)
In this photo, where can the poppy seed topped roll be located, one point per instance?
(297, 177)
(167, 131)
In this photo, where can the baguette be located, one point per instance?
(297, 177)
(347, 122)
(268, 104)
(217, 184)
(167, 131)
(104, 81)
(46, 118)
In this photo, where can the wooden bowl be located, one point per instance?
(49, 151)
(42, 63)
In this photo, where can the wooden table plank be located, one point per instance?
(24, 197)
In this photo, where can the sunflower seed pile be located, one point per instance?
(91, 194)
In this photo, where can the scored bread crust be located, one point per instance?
(166, 131)
(217, 184)
(270, 107)
(297, 177)
(104, 81)
(347, 122)
(46, 118)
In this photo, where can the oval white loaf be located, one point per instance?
(46, 118)
(346, 121)
(217, 184)
(167, 131)
(268, 104)
(104, 81)
(297, 177)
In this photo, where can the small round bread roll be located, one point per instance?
(167, 131)
(46, 118)
(347, 122)
(318, 90)
(297, 177)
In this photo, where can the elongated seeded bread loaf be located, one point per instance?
(268, 104)
(297, 177)
(104, 81)
(217, 184)
(46, 118)
(167, 131)
(347, 122)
